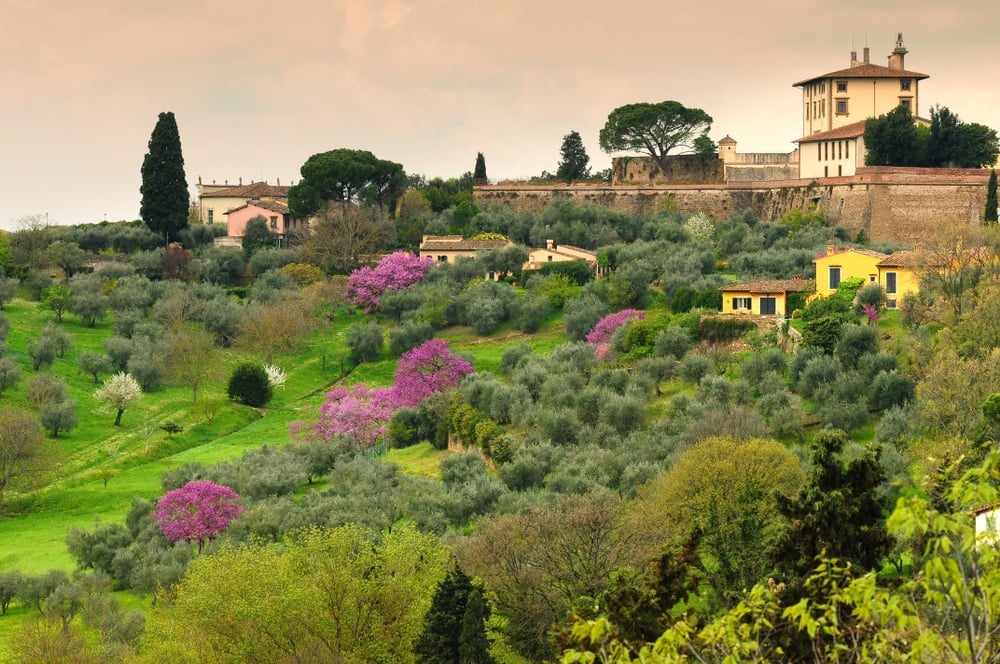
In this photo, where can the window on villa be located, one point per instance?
(905, 103)
(841, 86)
(904, 84)
(890, 304)
(819, 150)
(840, 170)
(826, 151)
(841, 107)
(826, 171)
(741, 304)
(807, 110)
(834, 277)
(442, 259)
(847, 149)
(890, 283)
(840, 149)
(211, 216)
(274, 222)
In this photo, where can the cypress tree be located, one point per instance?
(575, 162)
(991, 198)
(165, 198)
(473, 644)
(479, 174)
(439, 641)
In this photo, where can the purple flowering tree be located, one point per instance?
(358, 412)
(396, 271)
(872, 312)
(604, 330)
(362, 413)
(426, 369)
(197, 511)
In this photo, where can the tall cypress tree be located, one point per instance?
(479, 174)
(473, 643)
(165, 198)
(574, 162)
(438, 643)
(991, 199)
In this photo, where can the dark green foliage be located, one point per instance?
(836, 512)
(342, 176)
(530, 312)
(855, 341)
(892, 139)
(686, 298)
(890, 389)
(581, 314)
(694, 367)
(261, 473)
(513, 356)
(675, 342)
(365, 341)
(990, 212)
(59, 416)
(10, 373)
(257, 236)
(454, 627)
(10, 581)
(579, 272)
(654, 129)
(823, 332)
(485, 305)
(574, 164)
(165, 198)
(479, 172)
(96, 549)
(404, 427)
(817, 373)
(408, 335)
(723, 329)
(249, 385)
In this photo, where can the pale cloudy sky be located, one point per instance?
(258, 86)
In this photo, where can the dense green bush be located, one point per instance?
(723, 329)
(365, 341)
(249, 385)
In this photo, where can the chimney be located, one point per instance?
(831, 249)
(898, 53)
(867, 52)
(549, 244)
(241, 180)
(854, 58)
(279, 182)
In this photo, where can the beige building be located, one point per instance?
(216, 200)
(836, 105)
(556, 253)
(449, 248)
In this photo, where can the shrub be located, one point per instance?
(723, 329)
(855, 341)
(890, 389)
(365, 341)
(408, 335)
(675, 341)
(582, 314)
(530, 312)
(249, 384)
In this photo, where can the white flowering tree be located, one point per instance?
(118, 392)
(275, 376)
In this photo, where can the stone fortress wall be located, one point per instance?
(903, 205)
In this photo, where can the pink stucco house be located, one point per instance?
(279, 220)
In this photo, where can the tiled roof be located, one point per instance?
(865, 70)
(864, 252)
(772, 286)
(852, 130)
(273, 206)
(252, 190)
(898, 259)
(435, 244)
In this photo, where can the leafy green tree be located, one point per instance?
(10, 373)
(574, 164)
(340, 176)
(58, 299)
(20, 445)
(67, 256)
(990, 213)
(59, 416)
(479, 173)
(654, 129)
(365, 341)
(249, 384)
(256, 236)
(165, 199)
(10, 285)
(892, 140)
(953, 143)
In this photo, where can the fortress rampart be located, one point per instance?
(904, 205)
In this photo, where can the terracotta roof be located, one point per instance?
(727, 140)
(273, 206)
(252, 190)
(898, 259)
(436, 244)
(856, 250)
(852, 130)
(773, 286)
(865, 70)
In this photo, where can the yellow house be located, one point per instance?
(835, 265)
(897, 274)
(762, 298)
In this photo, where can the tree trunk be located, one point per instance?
(118, 418)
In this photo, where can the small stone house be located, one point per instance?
(553, 253)
(448, 248)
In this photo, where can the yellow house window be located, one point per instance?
(741, 304)
(841, 107)
(834, 277)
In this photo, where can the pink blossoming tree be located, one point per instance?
(362, 413)
(604, 330)
(396, 271)
(197, 511)
(426, 369)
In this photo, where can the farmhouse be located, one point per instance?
(215, 200)
(556, 253)
(763, 298)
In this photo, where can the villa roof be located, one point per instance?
(252, 190)
(832, 251)
(898, 259)
(797, 285)
(450, 243)
(273, 206)
(852, 130)
(865, 70)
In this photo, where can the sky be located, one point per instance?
(258, 86)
